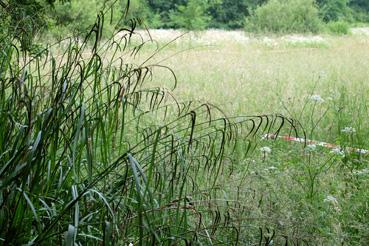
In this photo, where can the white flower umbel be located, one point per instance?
(130, 244)
(348, 130)
(266, 150)
(333, 201)
(361, 172)
(338, 151)
(310, 148)
(317, 98)
(271, 168)
(362, 151)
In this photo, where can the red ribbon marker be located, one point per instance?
(318, 143)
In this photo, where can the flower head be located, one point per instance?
(331, 199)
(361, 172)
(348, 130)
(310, 148)
(271, 168)
(317, 98)
(266, 150)
(338, 151)
(363, 151)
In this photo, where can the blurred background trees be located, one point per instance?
(27, 18)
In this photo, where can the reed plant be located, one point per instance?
(92, 154)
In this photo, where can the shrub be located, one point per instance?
(338, 27)
(280, 16)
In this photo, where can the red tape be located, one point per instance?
(318, 143)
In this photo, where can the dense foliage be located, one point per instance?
(59, 16)
(230, 14)
(285, 16)
(333, 10)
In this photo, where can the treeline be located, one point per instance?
(202, 14)
(231, 14)
(66, 16)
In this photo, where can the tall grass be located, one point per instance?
(90, 153)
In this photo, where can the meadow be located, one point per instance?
(124, 142)
(320, 80)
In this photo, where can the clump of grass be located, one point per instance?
(338, 27)
(91, 154)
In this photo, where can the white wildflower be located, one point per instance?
(348, 130)
(338, 151)
(361, 172)
(304, 40)
(310, 148)
(323, 144)
(266, 150)
(362, 151)
(130, 244)
(331, 199)
(271, 168)
(269, 42)
(317, 98)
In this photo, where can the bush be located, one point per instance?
(290, 16)
(338, 27)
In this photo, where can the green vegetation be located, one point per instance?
(338, 27)
(334, 10)
(318, 195)
(109, 137)
(92, 153)
(59, 16)
(67, 14)
(285, 16)
(191, 16)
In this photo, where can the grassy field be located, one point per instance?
(101, 150)
(318, 195)
(257, 75)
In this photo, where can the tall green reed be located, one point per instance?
(91, 154)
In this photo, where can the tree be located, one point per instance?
(361, 10)
(333, 10)
(253, 4)
(163, 9)
(191, 16)
(228, 13)
(362, 4)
